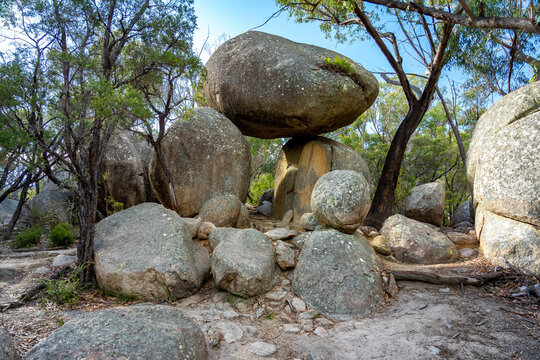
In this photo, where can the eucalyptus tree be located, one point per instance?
(87, 51)
(434, 26)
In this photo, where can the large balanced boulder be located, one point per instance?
(337, 275)
(502, 166)
(122, 173)
(301, 162)
(206, 156)
(135, 332)
(148, 251)
(272, 87)
(341, 200)
(243, 263)
(414, 242)
(426, 203)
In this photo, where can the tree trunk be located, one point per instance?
(18, 210)
(381, 206)
(85, 249)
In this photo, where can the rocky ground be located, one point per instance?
(423, 321)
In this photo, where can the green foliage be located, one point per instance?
(61, 235)
(115, 205)
(261, 183)
(27, 237)
(271, 316)
(343, 67)
(65, 290)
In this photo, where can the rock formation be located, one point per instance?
(301, 162)
(502, 166)
(272, 87)
(206, 156)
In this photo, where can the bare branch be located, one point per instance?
(522, 24)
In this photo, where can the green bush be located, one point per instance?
(66, 289)
(261, 183)
(28, 237)
(61, 235)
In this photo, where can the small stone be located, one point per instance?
(265, 208)
(284, 256)
(230, 331)
(368, 229)
(323, 322)
(310, 314)
(392, 288)
(444, 290)
(259, 313)
(250, 330)
(285, 283)
(320, 331)
(298, 305)
(277, 295)
(288, 216)
(204, 230)
(309, 221)
(307, 325)
(281, 234)
(467, 253)
(42, 270)
(373, 234)
(274, 304)
(230, 314)
(462, 239)
(214, 336)
(262, 349)
(193, 224)
(241, 306)
(299, 240)
(62, 260)
(381, 245)
(291, 328)
(434, 350)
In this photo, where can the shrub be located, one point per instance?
(61, 235)
(28, 237)
(66, 289)
(261, 183)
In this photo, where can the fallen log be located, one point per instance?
(32, 292)
(427, 275)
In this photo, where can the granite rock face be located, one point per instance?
(147, 251)
(140, 331)
(506, 242)
(426, 203)
(415, 242)
(122, 172)
(207, 156)
(301, 162)
(272, 87)
(502, 166)
(221, 210)
(7, 347)
(341, 200)
(337, 275)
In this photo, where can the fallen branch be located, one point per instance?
(447, 279)
(30, 294)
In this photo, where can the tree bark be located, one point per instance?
(18, 210)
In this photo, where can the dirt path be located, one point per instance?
(424, 321)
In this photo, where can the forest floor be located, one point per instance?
(423, 321)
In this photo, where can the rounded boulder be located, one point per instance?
(341, 200)
(273, 87)
(206, 156)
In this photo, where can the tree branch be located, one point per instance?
(522, 24)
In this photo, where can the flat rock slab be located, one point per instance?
(135, 332)
(281, 234)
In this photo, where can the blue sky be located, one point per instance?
(217, 17)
